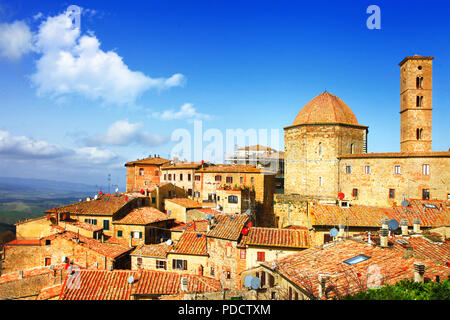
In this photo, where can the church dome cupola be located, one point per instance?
(326, 109)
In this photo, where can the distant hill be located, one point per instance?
(22, 198)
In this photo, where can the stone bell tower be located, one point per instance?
(415, 103)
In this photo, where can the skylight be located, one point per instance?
(355, 260)
(431, 206)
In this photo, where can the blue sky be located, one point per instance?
(232, 64)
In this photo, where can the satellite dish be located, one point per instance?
(245, 231)
(117, 190)
(208, 217)
(248, 212)
(168, 242)
(334, 232)
(405, 203)
(95, 197)
(255, 283)
(341, 195)
(393, 224)
(130, 279)
(247, 281)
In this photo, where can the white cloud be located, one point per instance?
(38, 16)
(24, 147)
(187, 111)
(15, 40)
(124, 133)
(95, 155)
(72, 63)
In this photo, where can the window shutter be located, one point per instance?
(140, 235)
(184, 264)
(173, 264)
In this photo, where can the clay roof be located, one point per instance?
(193, 243)
(24, 242)
(354, 216)
(186, 202)
(105, 205)
(143, 216)
(106, 249)
(151, 160)
(367, 216)
(424, 248)
(50, 292)
(257, 147)
(206, 211)
(82, 225)
(396, 155)
(304, 267)
(228, 226)
(114, 285)
(32, 272)
(273, 237)
(234, 168)
(196, 226)
(182, 165)
(325, 108)
(432, 213)
(152, 250)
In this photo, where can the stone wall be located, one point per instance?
(290, 210)
(373, 188)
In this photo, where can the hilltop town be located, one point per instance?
(331, 220)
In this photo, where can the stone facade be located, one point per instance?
(291, 210)
(311, 163)
(426, 171)
(239, 202)
(143, 173)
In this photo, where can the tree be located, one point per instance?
(406, 290)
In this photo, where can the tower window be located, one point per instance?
(352, 148)
(419, 133)
(426, 169)
(355, 193)
(419, 67)
(367, 169)
(419, 101)
(419, 82)
(426, 194)
(141, 172)
(320, 148)
(348, 169)
(397, 169)
(320, 181)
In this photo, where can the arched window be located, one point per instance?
(419, 101)
(141, 172)
(419, 82)
(419, 133)
(352, 148)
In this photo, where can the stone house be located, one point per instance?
(235, 200)
(144, 172)
(182, 175)
(177, 208)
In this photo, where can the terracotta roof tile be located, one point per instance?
(182, 165)
(152, 250)
(192, 243)
(114, 285)
(272, 237)
(326, 108)
(106, 249)
(50, 292)
(105, 205)
(432, 213)
(24, 242)
(231, 168)
(196, 226)
(304, 267)
(228, 226)
(151, 160)
(186, 202)
(82, 225)
(143, 216)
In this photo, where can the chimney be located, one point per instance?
(341, 231)
(419, 271)
(416, 225)
(158, 206)
(322, 285)
(384, 223)
(384, 237)
(404, 225)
